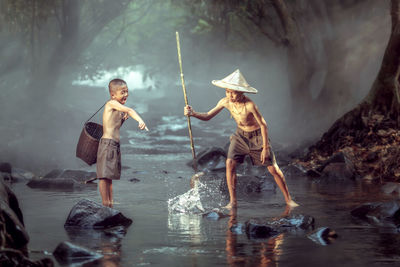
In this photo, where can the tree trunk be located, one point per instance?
(300, 65)
(380, 108)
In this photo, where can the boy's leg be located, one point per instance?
(111, 194)
(280, 181)
(104, 191)
(231, 182)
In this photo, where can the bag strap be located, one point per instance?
(96, 112)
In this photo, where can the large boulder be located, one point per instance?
(11, 218)
(13, 236)
(69, 253)
(89, 214)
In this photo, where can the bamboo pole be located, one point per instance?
(186, 102)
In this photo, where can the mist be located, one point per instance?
(43, 109)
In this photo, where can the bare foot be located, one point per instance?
(292, 204)
(230, 206)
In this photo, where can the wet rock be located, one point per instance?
(5, 167)
(89, 214)
(294, 222)
(5, 176)
(256, 230)
(247, 184)
(380, 213)
(391, 188)
(22, 175)
(134, 180)
(55, 184)
(295, 169)
(13, 231)
(338, 167)
(313, 173)
(323, 236)
(211, 159)
(12, 257)
(339, 172)
(214, 215)
(78, 175)
(68, 253)
(238, 228)
(268, 185)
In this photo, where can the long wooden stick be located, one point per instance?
(186, 101)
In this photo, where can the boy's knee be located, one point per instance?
(230, 163)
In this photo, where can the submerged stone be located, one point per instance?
(89, 214)
(214, 215)
(237, 228)
(55, 183)
(380, 213)
(255, 230)
(68, 253)
(78, 175)
(323, 236)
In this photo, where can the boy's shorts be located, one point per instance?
(249, 143)
(108, 159)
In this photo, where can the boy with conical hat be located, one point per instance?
(251, 136)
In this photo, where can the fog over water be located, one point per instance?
(42, 120)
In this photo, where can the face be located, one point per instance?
(121, 94)
(232, 95)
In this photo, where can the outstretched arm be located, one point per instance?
(189, 111)
(132, 113)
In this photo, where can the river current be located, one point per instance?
(161, 236)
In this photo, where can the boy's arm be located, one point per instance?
(264, 130)
(118, 106)
(188, 111)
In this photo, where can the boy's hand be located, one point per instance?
(142, 125)
(188, 111)
(264, 154)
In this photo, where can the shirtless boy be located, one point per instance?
(108, 154)
(251, 136)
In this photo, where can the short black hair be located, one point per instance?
(114, 84)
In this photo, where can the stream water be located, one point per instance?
(160, 236)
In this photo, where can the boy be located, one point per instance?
(108, 154)
(251, 136)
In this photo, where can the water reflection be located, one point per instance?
(264, 253)
(106, 242)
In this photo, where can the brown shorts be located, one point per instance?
(108, 159)
(249, 143)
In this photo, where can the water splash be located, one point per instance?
(201, 199)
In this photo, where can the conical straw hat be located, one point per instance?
(236, 82)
